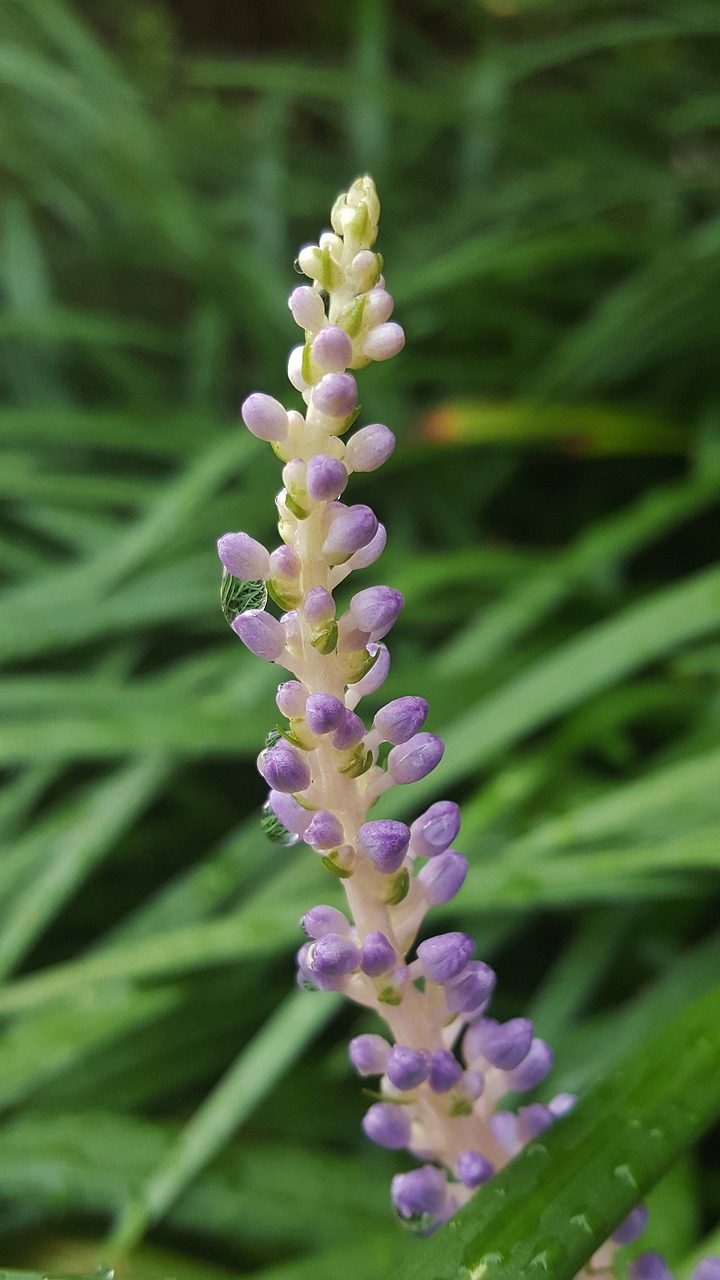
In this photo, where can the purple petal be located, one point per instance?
(473, 1169)
(419, 1192)
(632, 1228)
(407, 1068)
(387, 1125)
(377, 954)
(415, 759)
(333, 955)
(351, 528)
(369, 1054)
(264, 417)
(400, 719)
(375, 609)
(533, 1069)
(473, 986)
(503, 1044)
(324, 831)
(385, 842)
(324, 712)
(445, 1071)
(322, 919)
(443, 877)
(284, 768)
(443, 956)
(243, 557)
(326, 478)
(335, 395)
(332, 350)
(434, 831)
(369, 448)
(262, 634)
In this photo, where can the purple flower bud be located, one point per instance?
(284, 768)
(369, 448)
(307, 308)
(306, 977)
(503, 1044)
(632, 1228)
(376, 676)
(378, 306)
(387, 1125)
(243, 557)
(650, 1266)
(442, 878)
(561, 1104)
(434, 831)
(400, 719)
(326, 478)
(287, 811)
(445, 955)
(264, 417)
(336, 395)
(445, 1071)
(324, 712)
(318, 606)
(473, 1169)
(285, 563)
(368, 1054)
(291, 698)
(351, 529)
(473, 1084)
(385, 842)
(384, 341)
(707, 1269)
(375, 609)
(377, 954)
(533, 1069)
(419, 1192)
(332, 350)
(415, 759)
(262, 634)
(474, 985)
(407, 1068)
(533, 1120)
(321, 920)
(371, 552)
(333, 955)
(504, 1128)
(349, 732)
(324, 830)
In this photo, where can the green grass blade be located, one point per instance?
(72, 852)
(254, 1073)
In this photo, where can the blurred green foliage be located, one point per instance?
(551, 193)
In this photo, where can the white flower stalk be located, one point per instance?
(445, 1065)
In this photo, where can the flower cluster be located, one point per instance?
(446, 1065)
